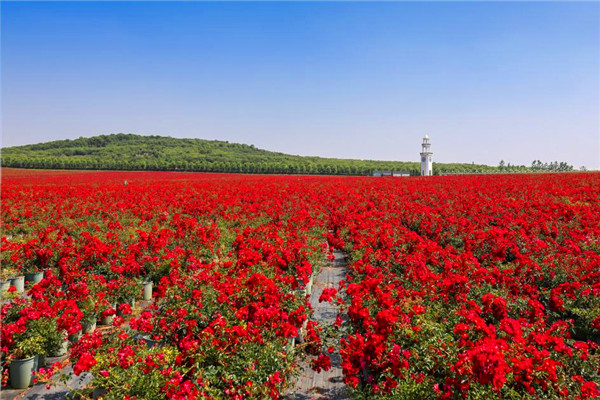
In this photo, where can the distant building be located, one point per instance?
(395, 174)
(426, 158)
(400, 173)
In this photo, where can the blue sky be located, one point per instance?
(487, 81)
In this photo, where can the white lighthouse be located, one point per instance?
(426, 162)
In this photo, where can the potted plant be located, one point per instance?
(54, 343)
(12, 276)
(6, 274)
(34, 277)
(108, 315)
(38, 258)
(11, 270)
(33, 272)
(24, 360)
(18, 282)
(89, 308)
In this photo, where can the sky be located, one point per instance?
(487, 81)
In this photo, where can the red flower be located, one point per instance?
(322, 363)
(327, 294)
(589, 390)
(85, 362)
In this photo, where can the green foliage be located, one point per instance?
(125, 380)
(28, 346)
(553, 166)
(45, 332)
(157, 153)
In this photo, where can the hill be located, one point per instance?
(136, 152)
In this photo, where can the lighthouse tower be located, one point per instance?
(426, 162)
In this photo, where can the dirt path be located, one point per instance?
(326, 384)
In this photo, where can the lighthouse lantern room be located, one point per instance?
(426, 158)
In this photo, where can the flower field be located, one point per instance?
(180, 286)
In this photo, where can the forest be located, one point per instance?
(158, 153)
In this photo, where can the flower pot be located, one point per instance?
(34, 277)
(61, 350)
(147, 290)
(21, 372)
(74, 337)
(88, 327)
(18, 282)
(131, 302)
(4, 286)
(107, 320)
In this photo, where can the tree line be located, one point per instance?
(553, 166)
(157, 153)
(203, 166)
(355, 168)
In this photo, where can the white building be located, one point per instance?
(426, 161)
